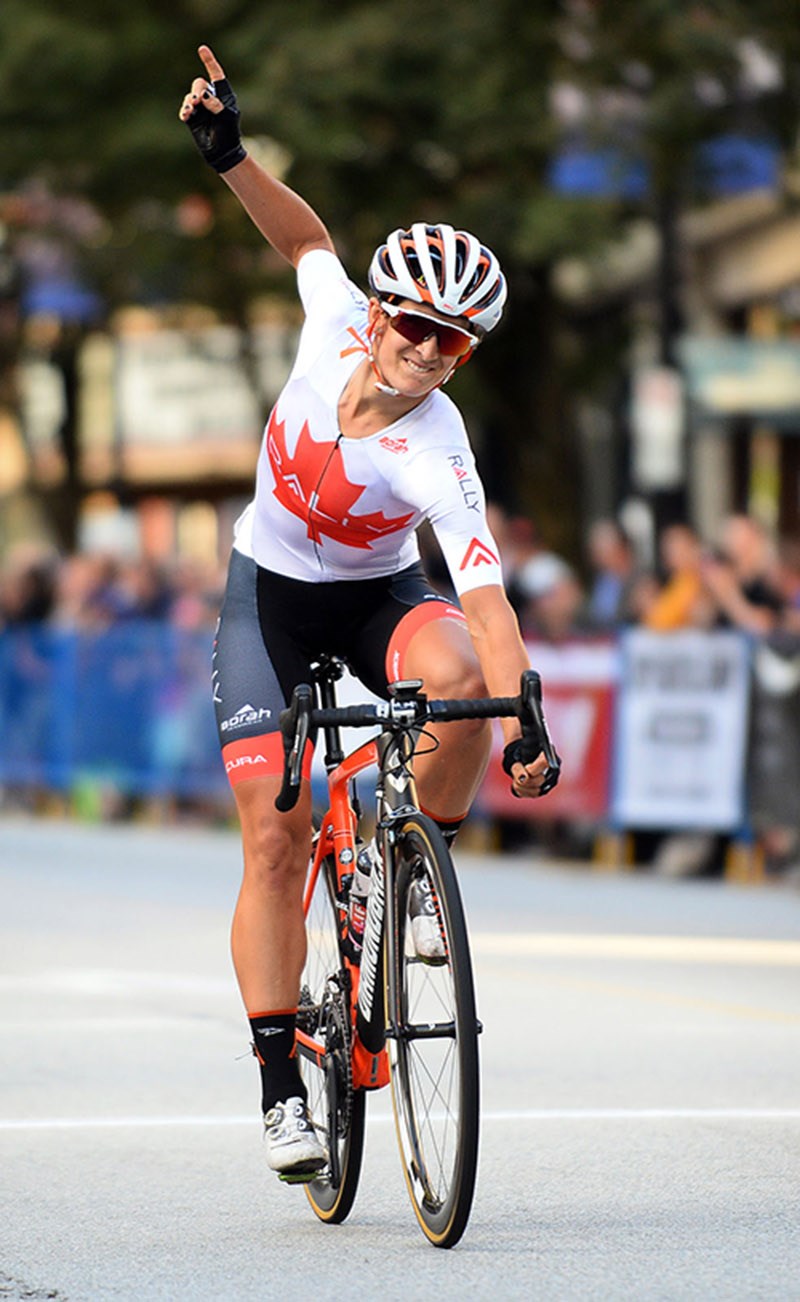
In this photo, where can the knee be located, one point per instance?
(275, 856)
(454, 676)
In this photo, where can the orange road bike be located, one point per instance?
(393, 1017)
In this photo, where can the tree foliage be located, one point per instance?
(432, 109)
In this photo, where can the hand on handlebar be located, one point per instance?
(529, 779)
(531, 761)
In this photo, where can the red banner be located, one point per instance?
(579, 681)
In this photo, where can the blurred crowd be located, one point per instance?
(90, 591)
(158, 700)
(742, 579)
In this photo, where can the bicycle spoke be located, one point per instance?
(434, 1054)
(439, 1143)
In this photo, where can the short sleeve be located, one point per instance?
(324, 286)
(331, 302)
(444, 484)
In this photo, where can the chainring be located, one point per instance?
(338, 1049)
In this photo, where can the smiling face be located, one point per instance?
(413, 369)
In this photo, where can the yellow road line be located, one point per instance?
(660, 949)
(698, 1003)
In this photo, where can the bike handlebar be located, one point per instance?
(301, 716)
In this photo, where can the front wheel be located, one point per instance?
(324, 1045)
(433, 1040)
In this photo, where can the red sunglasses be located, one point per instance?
(416, 327)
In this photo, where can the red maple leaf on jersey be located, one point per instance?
(313, 486)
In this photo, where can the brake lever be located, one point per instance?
(535, 732)
(295, 722)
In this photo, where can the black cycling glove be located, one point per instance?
(217, 135)
(524, 751)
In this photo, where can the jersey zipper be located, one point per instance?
(314, 498)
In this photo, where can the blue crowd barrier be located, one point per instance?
(699, 729)
(129, 705)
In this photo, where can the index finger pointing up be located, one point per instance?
(212, 65)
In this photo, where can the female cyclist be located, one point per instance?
(360, 448)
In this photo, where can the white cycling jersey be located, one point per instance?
(327, 507)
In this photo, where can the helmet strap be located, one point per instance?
(461, 361)
(380, 382)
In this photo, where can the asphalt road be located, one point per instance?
(641, 1090)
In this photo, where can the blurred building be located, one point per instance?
(723, 421)
(167, 407)
(146, 431)
(704, 272)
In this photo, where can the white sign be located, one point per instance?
(681, 731)
(175, 387)
(657, 421)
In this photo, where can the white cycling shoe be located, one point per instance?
(426, 931)
(293, 1149)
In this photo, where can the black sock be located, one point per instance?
(274, 1047)
(449, 830)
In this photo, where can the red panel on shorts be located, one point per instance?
(259, 757)
(410, 624)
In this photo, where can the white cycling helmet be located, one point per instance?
(449, 270)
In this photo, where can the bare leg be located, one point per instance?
(441, 654)
(268, 938)
(269, 945)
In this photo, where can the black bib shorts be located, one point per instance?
(272, 628)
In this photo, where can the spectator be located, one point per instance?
(683, 600)
(787, 581)
(520, 546)
(741, 577)
(615, 574)
(26, 587)
(84, 591)
(197, 593)
(142, 591)
(553, 599)
(643, 593)
(679, 601)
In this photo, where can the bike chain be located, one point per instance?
(341, 1034)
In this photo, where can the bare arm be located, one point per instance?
(501, 652)
(285, 220)
(724, 587)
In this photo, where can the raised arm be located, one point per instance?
(285, 220)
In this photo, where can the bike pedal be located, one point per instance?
(298, 1177)
(434, 961)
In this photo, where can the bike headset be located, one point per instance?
(443, 268)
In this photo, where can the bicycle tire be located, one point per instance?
(434, 1077)
(337, 1110)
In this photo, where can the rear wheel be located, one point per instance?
(337, 1110)
(433, 1042)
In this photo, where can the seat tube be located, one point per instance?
(396, 791)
